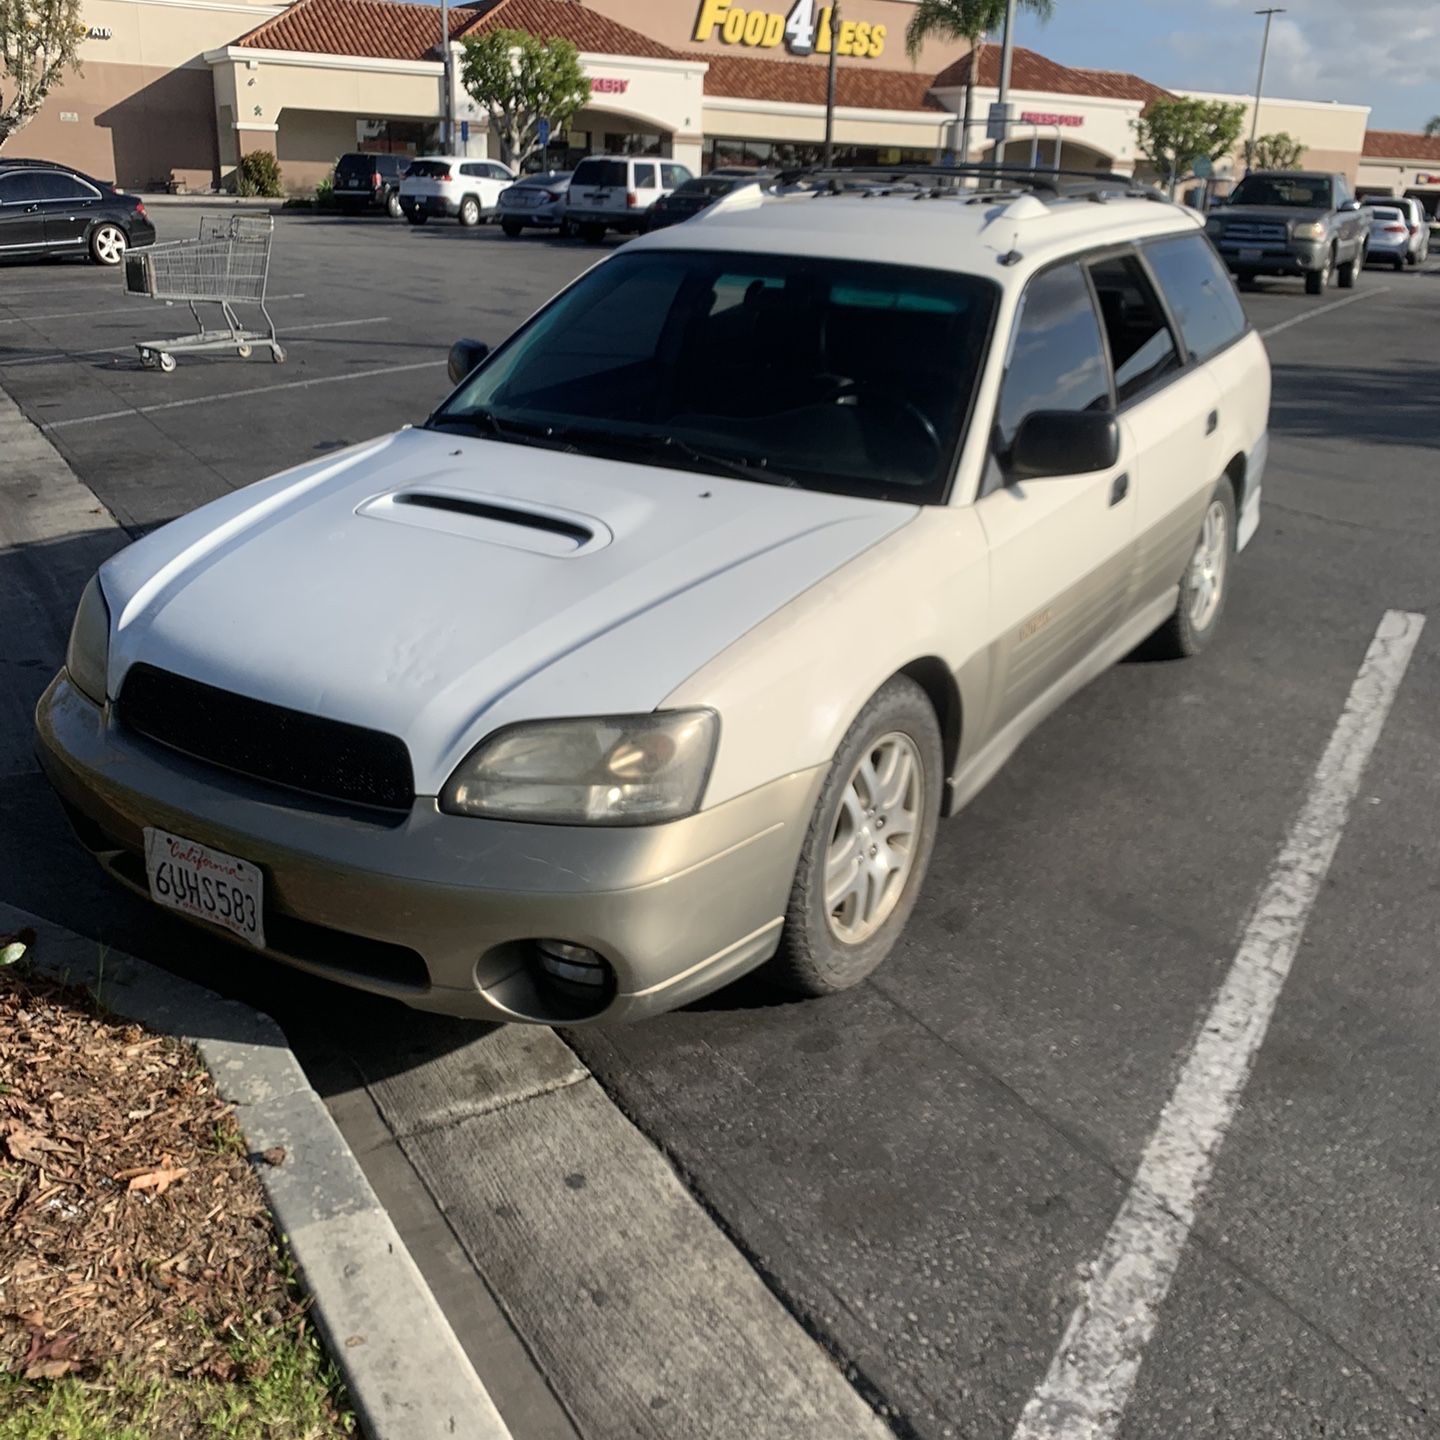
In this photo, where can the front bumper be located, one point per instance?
(1298, 258)
(441, 911)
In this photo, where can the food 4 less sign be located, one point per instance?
(805, 29)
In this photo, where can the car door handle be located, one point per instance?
(1119, 488)
(1212, 420)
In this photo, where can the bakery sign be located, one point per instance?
(804, 29)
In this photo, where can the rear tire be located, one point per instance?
(392, 206)
(512, 228)
(882, 795)
(1397, 263)
(592, 234)
(416, 216)
(107, 244)
(469, 212)
(1205, 584)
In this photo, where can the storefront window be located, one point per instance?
(396, 137)
(719, 151)
(632, 144)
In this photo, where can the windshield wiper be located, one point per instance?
(486, 422)
(656, 443)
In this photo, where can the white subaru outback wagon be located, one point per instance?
(657, 653)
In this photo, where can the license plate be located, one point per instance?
(1252, 254)
(206, 883)
(356, 184)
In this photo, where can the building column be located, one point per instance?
(255, 137)
(687, 150)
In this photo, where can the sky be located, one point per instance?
(1381, 53)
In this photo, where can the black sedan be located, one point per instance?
(696, 195)
(50, 209)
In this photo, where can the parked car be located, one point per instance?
(1417, 224)
(614, 192)
(50, 209)
(1389, 238)
(698, 194)
(707, 593)
(369, 182)
(453, 186)
(535, 202)
(1292, 222)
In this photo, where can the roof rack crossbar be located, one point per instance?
(1021, 177)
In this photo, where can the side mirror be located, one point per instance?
(465, 355)
(1064, 442)
(1350, 205)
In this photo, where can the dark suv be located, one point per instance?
(370, 182)
(50, 209)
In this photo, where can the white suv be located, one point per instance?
(614, 192)
(453, 186)
(708, 593)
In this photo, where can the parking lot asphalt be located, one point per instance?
(922, 1168)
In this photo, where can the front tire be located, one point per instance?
(1317, 280)
(1206, 582)
(107, 245)
(867, 847)
(1348, 272)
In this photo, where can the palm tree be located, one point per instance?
(967, 20)
(1432, 125)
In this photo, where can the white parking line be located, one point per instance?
(242, 394)
(52, 355)
(113, 310)
(1083, 1396)
(1367, 294)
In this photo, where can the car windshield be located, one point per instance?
(837, 375)
(1308, 192)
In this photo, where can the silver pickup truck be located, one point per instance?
(1292, 222)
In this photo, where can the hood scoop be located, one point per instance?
(496, 519)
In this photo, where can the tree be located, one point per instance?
(968, 20)
(1279, 151)
(39, 41)
(1173, 134)
(1432, 125)
(521, 80)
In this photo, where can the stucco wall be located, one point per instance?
(308, 144)
(877, 128)
(1333, 135)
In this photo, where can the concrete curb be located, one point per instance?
(408, 1377)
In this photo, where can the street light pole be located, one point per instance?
(1007, 54)
(1269, 15)
(447, 124)
(830, 84)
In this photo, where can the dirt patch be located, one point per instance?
(134, 1237)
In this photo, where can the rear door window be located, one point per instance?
(1201, 294)
(1057, 357)
(52, 185)
(1142, 349)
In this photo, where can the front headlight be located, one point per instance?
(1308, 230)
(87, 657)
(612, 770)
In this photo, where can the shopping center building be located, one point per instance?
(174, 91)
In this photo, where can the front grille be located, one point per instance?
(1246, 232)
(268, 742)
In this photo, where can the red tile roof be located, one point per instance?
(585, 29)
(388, 30)
(1030, 71)
(803, 82)
(1402, 145)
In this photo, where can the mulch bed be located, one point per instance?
(133, 1231)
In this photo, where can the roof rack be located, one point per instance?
(946, 179)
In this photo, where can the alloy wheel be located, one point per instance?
(1206, 578)
(109, 245)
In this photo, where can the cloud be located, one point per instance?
(1330, 50)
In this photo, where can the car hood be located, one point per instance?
(437, 587)
(1285, 214)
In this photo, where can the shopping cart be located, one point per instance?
(226, 266)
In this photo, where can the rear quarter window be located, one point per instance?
(1201, 294)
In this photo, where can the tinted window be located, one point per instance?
(52, 185)
(18, 187)
(841, 374)
(647, 176)
(672, 176)
(600, 172)
(474, 170)
(1057, 358)
(1201, 294)
(1310, 192)
(430, 169)
(1141, 346)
